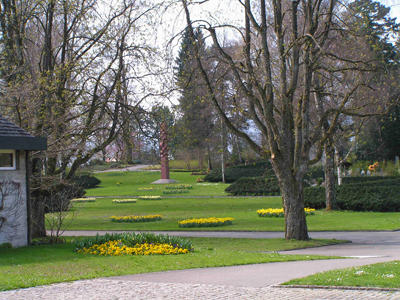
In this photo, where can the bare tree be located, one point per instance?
(285, 48)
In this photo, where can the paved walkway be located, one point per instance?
(127, 169)
(236, 282)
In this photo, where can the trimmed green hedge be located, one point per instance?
(357, 197)
(86, 181)
(254, 186)
(363, 179)
(257, 169)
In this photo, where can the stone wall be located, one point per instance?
(13, 209)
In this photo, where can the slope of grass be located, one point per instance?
(38, 265)
(132, 183)
(96, 215)
(384, 275)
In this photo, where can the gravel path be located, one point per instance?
(109, 289)
(237, 282)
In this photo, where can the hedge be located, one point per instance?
(255, 186)
(363, 179)
(357, 197)
(86, 181)
(257, 169)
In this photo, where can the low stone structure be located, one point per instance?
(15, 144)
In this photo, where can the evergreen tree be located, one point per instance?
(196, 122)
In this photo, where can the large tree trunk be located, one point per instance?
(293, 203)
(330, 180)
(295, 218)
(38, 228)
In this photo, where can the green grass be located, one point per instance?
(38, 265)
(95, 215)
(129, 183)
(384, 275)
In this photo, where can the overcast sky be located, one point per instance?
(395, 7)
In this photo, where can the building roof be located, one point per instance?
(15, 138)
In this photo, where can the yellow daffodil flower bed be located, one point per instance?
(279, 212)
(131, 219)
(133, 244)
(117, 248)
(150, 197)
(205, 222)
(121, 201)
(179, 187)
(146, 189)
(167, 192)
(81, 200)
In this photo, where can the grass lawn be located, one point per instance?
(385, 275)
(96, 215)
(130, 183)
(45, 264)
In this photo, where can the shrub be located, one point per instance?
(205, 222)
(255, 186)
(56, 196)
(134, 219)
(315, 174)
(261, 168)
(363, 179)
(357, 197)
(86, 181)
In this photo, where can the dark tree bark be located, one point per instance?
(330, 180)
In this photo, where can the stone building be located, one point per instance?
(15, 144)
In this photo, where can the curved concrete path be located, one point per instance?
(236, 282)
(127, 169)
(365, 248)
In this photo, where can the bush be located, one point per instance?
(363, 179)
(315, 174)
(261, 168)
(86, 181)
(357, 197)
(56, 197)
(254, 186)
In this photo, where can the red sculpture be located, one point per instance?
(164, 151)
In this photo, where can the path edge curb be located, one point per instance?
(334, 287)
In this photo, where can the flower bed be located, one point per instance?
(131, 219)
(205, 222)
(133, 244)
(279, 212)
(82, 200)
(122, 201)
(179, 187)
(146, 189)
(150, 197)
(167, 192)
